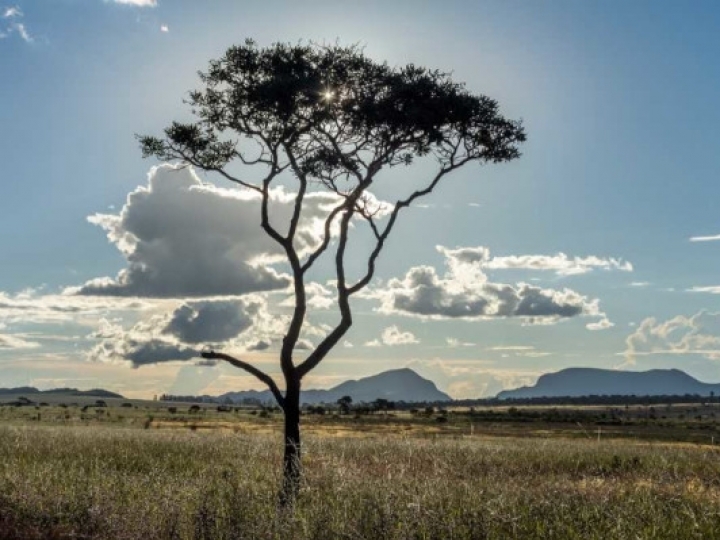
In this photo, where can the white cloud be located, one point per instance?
(640, 284)
(698, 334)
(164, 28)
(394, 336)
(422, 293)
(242, 324)
(9, 341)
(184, 238)
(602, 324)
(705, 238)
(138, 3)
(140, 345)
(33, 307)
(715, 289)
(472, 378)
(454, 343)
(12, 12)
(24, 34)
(465, 291)
(561, 264)
(512, 348)
(317, 297)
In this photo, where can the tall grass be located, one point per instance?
(76, 482)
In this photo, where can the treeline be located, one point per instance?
(383, 404)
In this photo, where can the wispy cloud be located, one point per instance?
(138, 3)
(713, 238)
(20, 29)
(11, 12)
(715, 289)
(560, 263)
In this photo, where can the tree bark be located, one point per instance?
(292, 467)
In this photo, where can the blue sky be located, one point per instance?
(619, 174)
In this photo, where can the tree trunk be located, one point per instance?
(292, 467)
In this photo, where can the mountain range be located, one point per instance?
(406, 385)
(394, 385)
(576, 382)
(30, 390)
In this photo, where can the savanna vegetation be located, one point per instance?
(157, 470)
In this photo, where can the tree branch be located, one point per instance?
(399, 205)
(264, 377)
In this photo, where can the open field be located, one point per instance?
(148, 473)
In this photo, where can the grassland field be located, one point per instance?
(144, 469)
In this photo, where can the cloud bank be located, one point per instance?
(465, 292)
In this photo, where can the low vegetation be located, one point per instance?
(142, 471)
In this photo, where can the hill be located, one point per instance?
(29, 390)
(395, 385)
(574, 382)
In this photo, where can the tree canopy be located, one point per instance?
(330, 119)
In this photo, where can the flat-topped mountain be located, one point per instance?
(575, 382)
(395, 385)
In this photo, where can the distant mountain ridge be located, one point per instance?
(30, 390)
(394, 385)
(577, 382)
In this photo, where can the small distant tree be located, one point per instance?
(328, 118)
(344, 404)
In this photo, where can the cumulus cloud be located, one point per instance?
(184, 238)
(177, 335)
(424, 294)
(140, 345)
(698, 334)
(394, 336)
(164, 28)
(317, 297)
(210, 321)
(561, 264)
(391, 336)
(304, 345)
(260, 345)
(465, 292)
(602, 324)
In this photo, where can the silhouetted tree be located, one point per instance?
(331, 119)
(344, 404)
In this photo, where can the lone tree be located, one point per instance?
(327, 118)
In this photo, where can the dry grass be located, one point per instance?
(101, 482)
